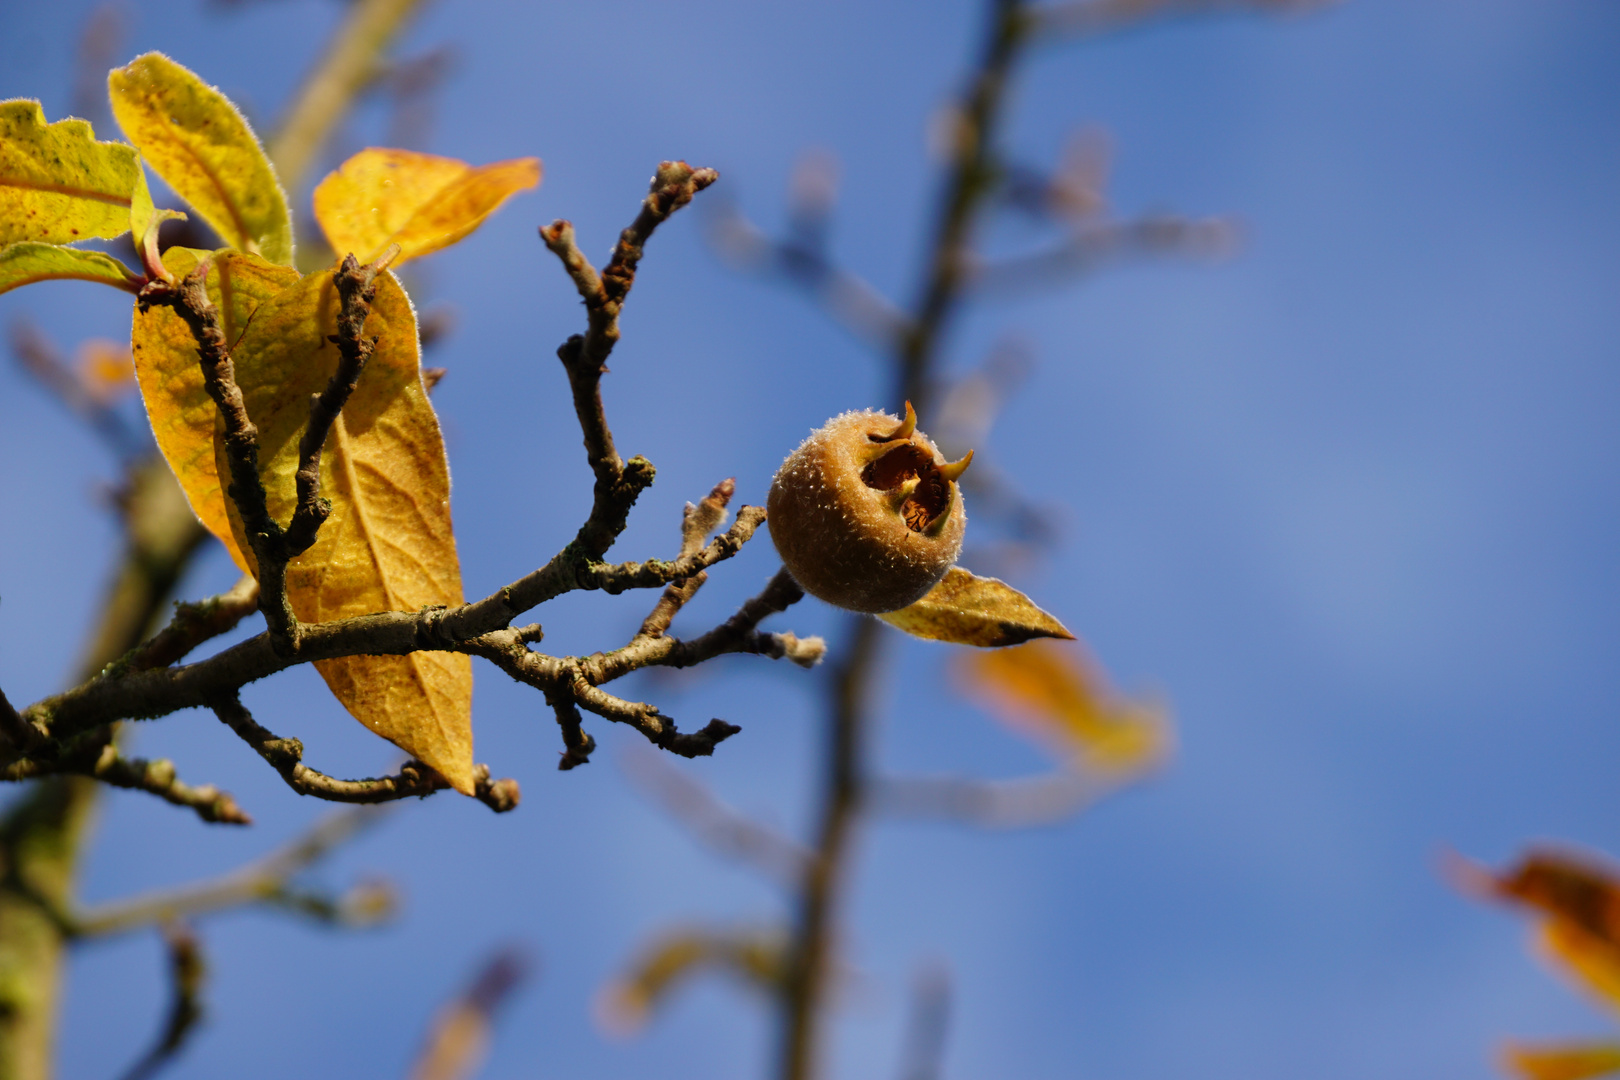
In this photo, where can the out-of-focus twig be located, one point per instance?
(187, 973)
(40, 358)
(1089, 18)
(351, 60)
(930, 1023)
(268, 880)
(713, 823)
(992, 804)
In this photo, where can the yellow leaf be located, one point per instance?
(1057, 695)
(388, 544)
(625, 1004)
(106, 369)
(58, 184)
(166, 367)
(970, 610)
(24, 264)
(1576, 1061)
(195, 139)
(418, 201)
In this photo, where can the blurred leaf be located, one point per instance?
(25, 263)
(195, 139)
(166, 367)
(458, 1041)
(106, 369)
(418, 201)
(1567, 1062)
(1593, 960)
(971, 610)
(388, 545)
(58, 184)
(1055, 693)
(627, 1003)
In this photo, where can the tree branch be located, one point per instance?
(194, 624)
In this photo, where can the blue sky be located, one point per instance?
(1346, 499)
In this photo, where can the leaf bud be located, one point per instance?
(866, 513)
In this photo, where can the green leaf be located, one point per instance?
(388, 545)
(195, 139)
(418, 201)
(180, 410)
(971, 610)
(24, 264)
(58, 184)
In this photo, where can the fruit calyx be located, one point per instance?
(919, 489)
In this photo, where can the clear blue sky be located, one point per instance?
(1347, 500)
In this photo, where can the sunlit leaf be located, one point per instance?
(418, 201)
(193, 137)
(1052, 691)
(26, 263)
(58, 184)
(106, 369)
(971, 610)
(625, 1005)
(1576, 1061)
(166, 367)
(388, 544)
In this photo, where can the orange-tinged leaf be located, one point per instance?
(970, 610)
(1570, 1061)
(625, 1004)
(170, 377)
(387, 545)
(106, 369)
(418, 201)
(1053, 692)
(199, 142)
(1593, 960)
(59, 184)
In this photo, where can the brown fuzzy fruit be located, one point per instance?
(866, 513)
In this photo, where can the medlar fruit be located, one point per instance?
(866, 513)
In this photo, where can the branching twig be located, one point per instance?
(96, 756)
(267, 880)
(189, 299)
(413, 779)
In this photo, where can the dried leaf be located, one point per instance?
(1576, 1061)
(195, 139)
(625, 1005)
(26, 263)
(970, 610)
(58, 184)
(388, 544)
(166, 366)
(1053, 692)
(418, 201)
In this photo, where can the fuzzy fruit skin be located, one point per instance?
(847, 543)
